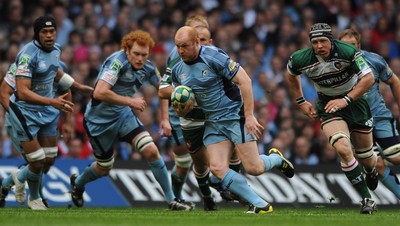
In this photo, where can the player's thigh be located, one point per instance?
(219, 154)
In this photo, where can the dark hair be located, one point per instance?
(41, 22)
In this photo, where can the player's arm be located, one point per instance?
(82, 89)
(165, 92)
(5, 93)
(242, 79)
(67, 128)
(103, 92)
(25, 93)
(294, 83)
(394, 83)
(166, 87)
(365, 83)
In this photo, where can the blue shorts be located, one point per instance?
(385, 133)
(233, 130)
(176, 137)
(13, 136)
(28, 124)
(103, 136)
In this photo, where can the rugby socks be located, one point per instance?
(42, 181)
(238, 185)
(271, 161)
(161, 174)
(87, 176)
(8, 182)
(390, 180)
(23, 173)
(33, 180)
(354, 174)
(177, 183)
(202, 181)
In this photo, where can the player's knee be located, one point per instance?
(104, 166)
(142, 142)
(365, 153)
(183, 161)
(50, 152)
(339, 139)
(392, 152)
(255, 169)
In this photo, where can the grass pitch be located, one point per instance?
(223, 217)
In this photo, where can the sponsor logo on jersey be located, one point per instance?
(361, 63)
(338, 65)
(110, 76)
(116, 65)
(204, 72)
(24, 59)
(42, 64)
(232, 65)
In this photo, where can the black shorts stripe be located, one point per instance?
(21, 119)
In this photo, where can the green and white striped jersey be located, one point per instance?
(337, 75)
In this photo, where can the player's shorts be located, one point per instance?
(357, 114)
(102, 137)
(385, 128)
(13, 136)
(386, 135)
(28, 124)
(176, 137)
(194, 138)
(233, 130)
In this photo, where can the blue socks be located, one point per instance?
(271, 161)
(161, 174)
(390, 180)
(238, 184)
(87, 176)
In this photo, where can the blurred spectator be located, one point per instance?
(302, 152)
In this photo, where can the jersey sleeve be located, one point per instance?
(155, 75)
(112, 69)
(25, 65)
(9, 78)
(221, 63)
(360, 65)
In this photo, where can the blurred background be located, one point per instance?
(260, 35)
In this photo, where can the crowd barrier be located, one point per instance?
(131, 184)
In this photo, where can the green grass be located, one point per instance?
(222, 217)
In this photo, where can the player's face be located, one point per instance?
(138, 55)
(322, 46)
(47, 37)
(351, 40)
(204, 37)
(187, 48)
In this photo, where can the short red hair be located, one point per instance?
(142, 38)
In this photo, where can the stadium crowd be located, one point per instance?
(259, 34)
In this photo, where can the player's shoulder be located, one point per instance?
(345, 50)
(149, 66)
(212, 50)
(302, 56)
(374, 57)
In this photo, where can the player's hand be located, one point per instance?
(335, 105)
(182, 109)
(308, 109)
(254, 128)
(62, 104)
(138, 103)
(165, 128)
